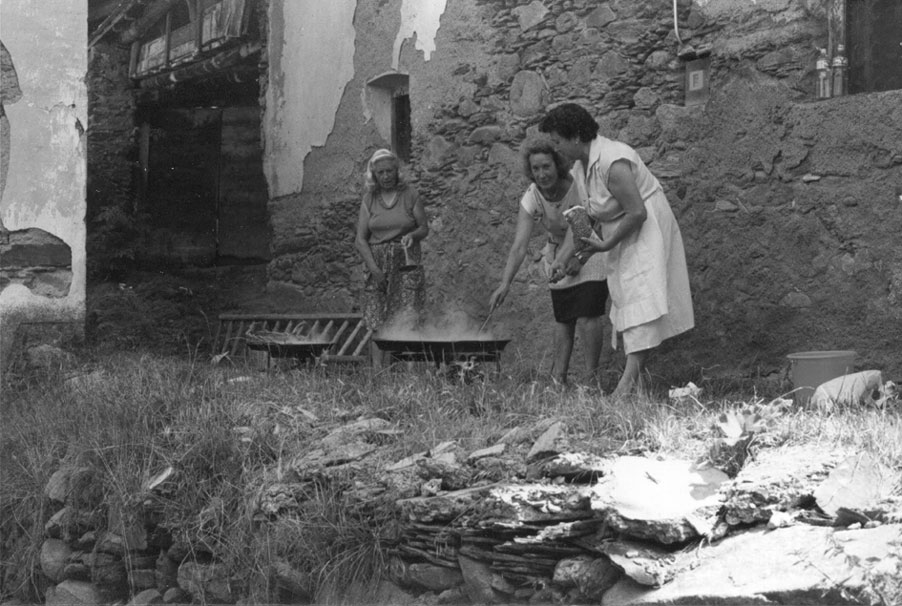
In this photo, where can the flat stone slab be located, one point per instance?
(777, 479)
(800, 565)
(639, 488)
(859, 482)
(445, 507)
(669, 501)
(576, 467)
(492, 451)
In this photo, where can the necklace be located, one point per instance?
(389, 201)
(556, 194)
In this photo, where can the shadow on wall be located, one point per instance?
(31, 257)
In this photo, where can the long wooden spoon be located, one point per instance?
(487, 318)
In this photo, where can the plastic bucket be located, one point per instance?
(811, 368)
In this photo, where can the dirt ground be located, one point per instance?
(174, 312)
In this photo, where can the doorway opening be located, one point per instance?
(389, 96)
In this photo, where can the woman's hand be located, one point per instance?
(573, 265)
(407, 240)
(557, 270)
(498, 297)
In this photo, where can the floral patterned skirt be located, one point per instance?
(402, 297)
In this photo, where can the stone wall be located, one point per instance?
(112, 148)
(112, 158)
(787, 205)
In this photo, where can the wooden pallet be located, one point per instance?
(349, 335)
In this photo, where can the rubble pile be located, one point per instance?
(524, 520)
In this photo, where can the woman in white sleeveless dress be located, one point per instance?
(647, 274)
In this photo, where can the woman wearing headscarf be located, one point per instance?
(390, 226)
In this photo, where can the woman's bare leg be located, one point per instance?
(563, 348)
(592, 335)
(631, 379)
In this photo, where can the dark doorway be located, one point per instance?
(205, 191)
(401, 126)
(243, 223)
(182, 174)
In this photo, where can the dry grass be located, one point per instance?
(222, 429)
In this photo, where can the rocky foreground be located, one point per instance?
(527, 520)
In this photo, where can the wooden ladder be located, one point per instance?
(349, 335)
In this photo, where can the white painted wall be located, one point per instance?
(47, 40)
(311, 59)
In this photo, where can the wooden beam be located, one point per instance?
(151, 15)
(133, 59)
(111, 20)
(144, 164)
(235, 85)
(198, 25)
(101, 9)
(212, 65)
(167, 41)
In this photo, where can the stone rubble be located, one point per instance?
(560, 525)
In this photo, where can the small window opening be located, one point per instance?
(388, 97)
(401, 126)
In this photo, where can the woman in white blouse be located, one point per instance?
(579, 297)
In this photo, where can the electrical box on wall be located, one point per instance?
(697, 85)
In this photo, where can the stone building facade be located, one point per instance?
(789, 205)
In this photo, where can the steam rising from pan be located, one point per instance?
(449, 326)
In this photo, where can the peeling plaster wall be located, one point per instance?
(311, 57)
(45, 188)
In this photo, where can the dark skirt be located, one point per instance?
(585, 300)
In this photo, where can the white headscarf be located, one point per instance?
(379, 154)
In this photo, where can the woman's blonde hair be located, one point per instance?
(369, 176)
(541, 145)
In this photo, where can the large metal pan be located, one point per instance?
(442, 350)
(286, 345)
(301, 351)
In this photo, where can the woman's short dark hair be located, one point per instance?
(542, 145)
(570, 120)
